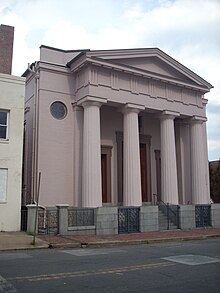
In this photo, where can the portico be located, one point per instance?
(134, 127)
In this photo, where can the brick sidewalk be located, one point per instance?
(149, 237)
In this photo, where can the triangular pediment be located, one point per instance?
(153, 65)
(153, 62)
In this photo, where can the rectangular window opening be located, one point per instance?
(4, 124)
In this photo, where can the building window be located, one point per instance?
(58, 110)
(3, 184)
(3, 124)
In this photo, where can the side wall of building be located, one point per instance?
(55, 140)
(12, 101)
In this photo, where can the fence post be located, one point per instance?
(149, 218)
(187, 217)
(106, 220)
(31, 210)
(62, 211)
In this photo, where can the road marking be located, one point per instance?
(91, 252)
(12, 256)
(91, 273)
(6, 287)
(192, 260)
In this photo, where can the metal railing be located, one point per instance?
(47, 221)
(203, 215)
(24, 214)
(80, 217)
(128, 220)
(171, 212)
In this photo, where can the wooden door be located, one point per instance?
(106, 173)
(143, 163)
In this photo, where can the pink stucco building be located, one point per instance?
(112, 127)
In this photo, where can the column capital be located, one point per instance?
(167, 114)
(77, 107)
(91, 101)
(129, 107)
(197, 120)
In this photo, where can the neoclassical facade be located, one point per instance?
(114, 127)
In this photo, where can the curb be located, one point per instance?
(110, 243)
(128, 242)
(45, 246)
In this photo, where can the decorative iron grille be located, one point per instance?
(128, 220)
(203, 215)
(24, 214)
(47, 221)
(80, 217)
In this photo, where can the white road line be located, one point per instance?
(6, 287)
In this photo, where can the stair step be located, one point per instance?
(162, 219)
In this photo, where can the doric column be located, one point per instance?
(91, 166)
(169, 187)
(198, 162)
(131, 157)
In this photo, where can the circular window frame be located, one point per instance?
(54, 112)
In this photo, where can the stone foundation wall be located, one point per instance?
(106, 220)
(215, 215)
(149, 218)
(187, 217)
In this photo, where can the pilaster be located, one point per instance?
(77, 152)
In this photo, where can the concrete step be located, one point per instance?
(163, 225)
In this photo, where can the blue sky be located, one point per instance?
(188, 30)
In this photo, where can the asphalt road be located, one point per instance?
(192, 266)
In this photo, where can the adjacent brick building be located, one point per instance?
(6, 48)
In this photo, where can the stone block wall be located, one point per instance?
(215, 215)
(187, 217)
(106, 220)
(149, 218)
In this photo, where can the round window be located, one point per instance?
(58, 110)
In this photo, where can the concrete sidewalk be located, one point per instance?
(20, 240)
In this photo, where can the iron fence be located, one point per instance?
(24, 214)
(80, 217)
(128, 220)
(203, 215)
(47, 221)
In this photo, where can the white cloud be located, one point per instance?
(22, 54)
(187, 30)
(214, 144)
